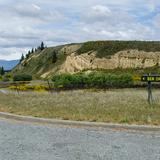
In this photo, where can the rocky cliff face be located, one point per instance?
(123, 59)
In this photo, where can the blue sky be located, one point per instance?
(24, 24)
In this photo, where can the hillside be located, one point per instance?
(106, 55)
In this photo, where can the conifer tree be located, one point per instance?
(54, 57)
(28, 54)
(42, 46)
(22, 58)
(32, 51)
(2, 72)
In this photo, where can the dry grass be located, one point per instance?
(120, 106)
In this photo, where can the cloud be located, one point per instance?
(100, 22)
(24, 24)
(96, 13)
(156, 21)
(102, 10)
(12, 53)
(36, 13)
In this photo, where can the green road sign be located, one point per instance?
(150, 78)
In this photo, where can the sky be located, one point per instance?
(25, 23)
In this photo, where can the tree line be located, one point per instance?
(33, 50)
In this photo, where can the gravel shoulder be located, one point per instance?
(83, 124)
(27, 141)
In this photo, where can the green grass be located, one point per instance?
(41, 62)
(108, 48)
(118, 106)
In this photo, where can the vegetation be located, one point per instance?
(45, 60)
(2, 72)
(107, 48)
(54, 57)
(117, 106)
(22, 58)
(28, 54)
(25, 87)
(42, 46)
(92, 80)
(22, 77)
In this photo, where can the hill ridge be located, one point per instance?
(76, 57)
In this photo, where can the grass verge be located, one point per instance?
(117, 106)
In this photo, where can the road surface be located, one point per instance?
(26, 141)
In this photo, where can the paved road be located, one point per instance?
(25, 141)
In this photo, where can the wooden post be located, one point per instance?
(49, 86)
(150, 98)
(17, 87)
(149, 78)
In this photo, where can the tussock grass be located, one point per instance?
(119, 105)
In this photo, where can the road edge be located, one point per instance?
(30, 119)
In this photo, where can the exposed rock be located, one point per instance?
(123, 59)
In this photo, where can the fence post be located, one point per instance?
(150, 97)
(17, 88)
(49, 86)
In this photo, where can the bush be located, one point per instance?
(20, 87)
(5, 79)
(93, 80)
(40, 88)
(22, 77)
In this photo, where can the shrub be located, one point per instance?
(92, 80)
(5, 79)
(40, 88)
(13, 87)
(20, 87)
(22, 77)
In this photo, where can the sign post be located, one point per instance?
(150, 78)
(150, 98)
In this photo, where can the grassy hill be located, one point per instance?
(40, 62)
(51, 60)
(105, 48)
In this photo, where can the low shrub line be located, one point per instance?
(92, 80)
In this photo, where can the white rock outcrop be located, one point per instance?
(123, 59)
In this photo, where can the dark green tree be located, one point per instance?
(42, 46)
(28, 54)
(2, 72)
(39, 48)
(22, 58)
(22, 77)
(32, 51)
(54, 57)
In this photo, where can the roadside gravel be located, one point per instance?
(26, 141)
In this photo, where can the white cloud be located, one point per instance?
(12, 53)
(24, 24)
(156, 21)
(108, 23)
(36, 7)
(102, 10)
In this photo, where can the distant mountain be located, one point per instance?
(8, 65)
